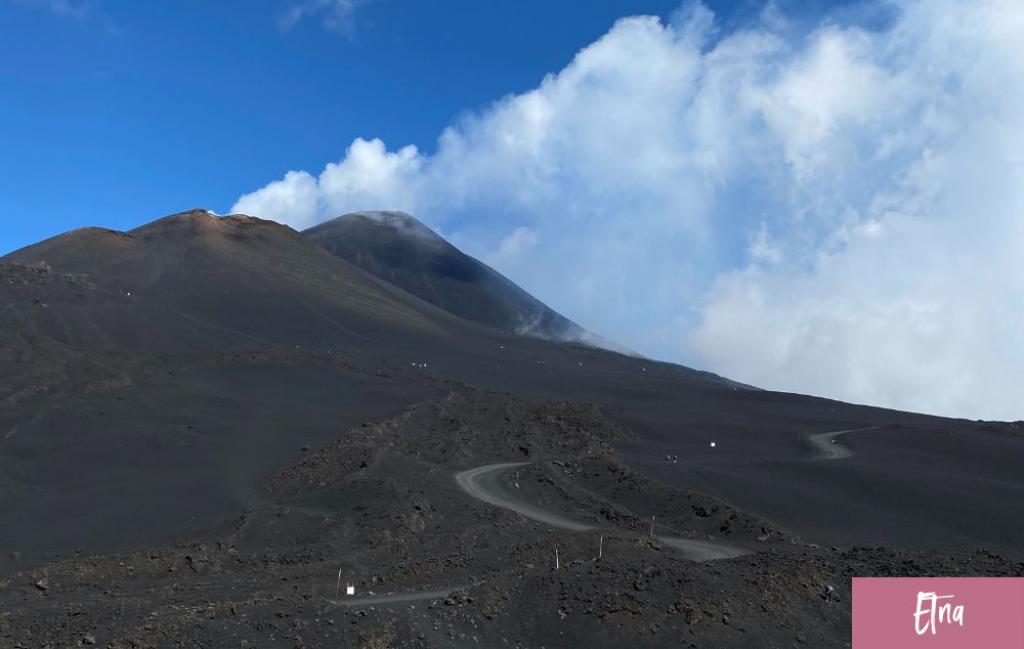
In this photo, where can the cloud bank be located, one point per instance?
(836, 210)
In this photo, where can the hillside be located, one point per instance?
(204, 419)
(402, 251)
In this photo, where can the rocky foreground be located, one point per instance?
(431, 567)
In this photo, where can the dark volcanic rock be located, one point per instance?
(209, 425)
(197, 282)
(399, 525)
(399, 249)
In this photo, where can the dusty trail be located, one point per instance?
(827, 446)
(485, 483)
(397, 598)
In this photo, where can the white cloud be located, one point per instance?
(337, 15)
(367, 178)
(294, 200)
(837, 211)
(516, 243)
(85, 11)
(64, 8)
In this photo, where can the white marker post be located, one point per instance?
(556, 558)
(349, 588)
(652, 527)
(600, 548)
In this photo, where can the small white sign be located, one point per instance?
(350, 590)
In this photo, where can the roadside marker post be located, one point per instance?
(349, 588)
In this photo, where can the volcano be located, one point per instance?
(208, 423)
(194, 281)
(401, 250)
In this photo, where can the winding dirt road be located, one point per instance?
(396, 598)
(827, 446)
(487, 484)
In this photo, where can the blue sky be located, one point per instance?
(114, 112)
(817, 197)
